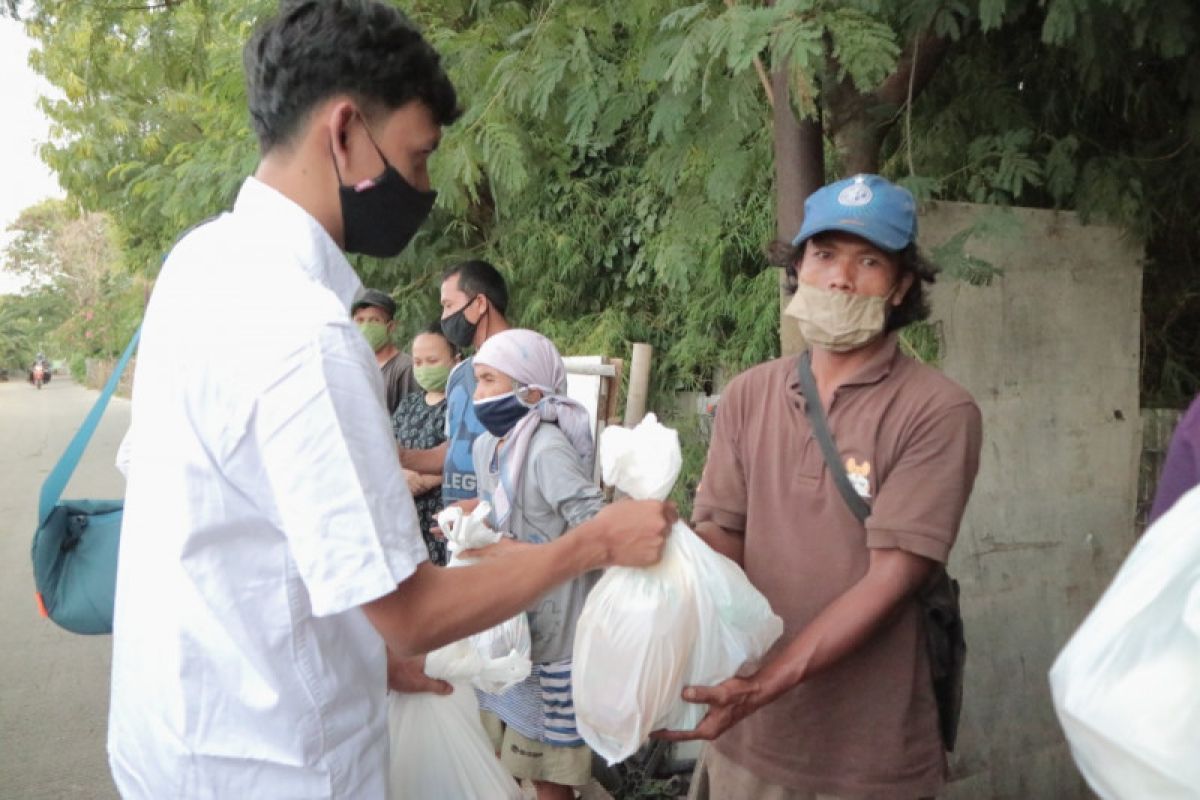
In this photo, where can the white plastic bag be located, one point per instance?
(462, 661)
(692, 619)
(438, 745)
(503, 651)
(467, 531)
(1127, 685)
(439, 749)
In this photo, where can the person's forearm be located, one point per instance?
(436, 606)
(724, 542)
(424, 461)
(844, 625)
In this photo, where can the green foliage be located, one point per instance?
(954, 258)
(26, 325)
(77, 364)
(922, 341)
(623, 210)
(864, 47)
(1089, 106)
(82, 300)
(694, 433)
(615, 159)
(152, 127)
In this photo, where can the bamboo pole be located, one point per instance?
(639, 383)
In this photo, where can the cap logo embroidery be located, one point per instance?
(856, 194)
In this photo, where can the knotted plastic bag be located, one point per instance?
(1127, 685)
(440, 749)
(508, 643)
(438, 744)
(645, 633)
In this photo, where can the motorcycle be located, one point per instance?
(39, 373)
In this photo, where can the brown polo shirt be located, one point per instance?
(910, 438)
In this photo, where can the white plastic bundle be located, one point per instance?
(645, 633)
(1127, 685)
(439, 747)
(509, 642)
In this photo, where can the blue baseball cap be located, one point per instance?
(866, 205)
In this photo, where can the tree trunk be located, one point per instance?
(858, 123)
(799, 171)
(858, 141)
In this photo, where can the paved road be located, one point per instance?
(53, 684)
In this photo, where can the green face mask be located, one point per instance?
(376, 334)
(432, 378)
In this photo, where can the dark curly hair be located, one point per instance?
(915, 305)
(435, 329)
(314, 49)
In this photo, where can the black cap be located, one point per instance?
(373, 297)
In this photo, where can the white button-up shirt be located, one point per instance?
(264, 505)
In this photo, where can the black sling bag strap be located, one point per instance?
(833, 459)
(938, 599)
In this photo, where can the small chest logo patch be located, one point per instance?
(860, 477)
(856, 194)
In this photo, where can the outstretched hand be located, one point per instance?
(729, 702)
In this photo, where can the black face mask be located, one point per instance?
(380, 216)
(459, 330)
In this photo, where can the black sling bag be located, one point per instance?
(938, 599)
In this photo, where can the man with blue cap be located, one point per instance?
(838, 480)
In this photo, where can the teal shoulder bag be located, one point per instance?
(76, 543)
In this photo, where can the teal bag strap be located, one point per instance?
(56, 481)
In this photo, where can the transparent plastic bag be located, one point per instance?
(692, 619)
(1127, 685)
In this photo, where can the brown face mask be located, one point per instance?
(838, 321)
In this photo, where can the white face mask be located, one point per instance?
(838, 321)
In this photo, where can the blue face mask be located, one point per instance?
(500, 414)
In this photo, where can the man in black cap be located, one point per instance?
(374, 313)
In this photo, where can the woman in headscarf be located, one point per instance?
(534, 468)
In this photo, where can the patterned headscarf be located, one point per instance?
(532, 361)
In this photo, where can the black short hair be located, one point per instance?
(915, 305)
(435, 329)
(314, 49)
(481, 278)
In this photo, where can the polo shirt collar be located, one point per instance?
(875, 370)
(278, 216)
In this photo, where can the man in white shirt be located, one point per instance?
(270, 547)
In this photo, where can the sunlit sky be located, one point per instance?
(26, 180)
